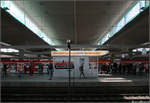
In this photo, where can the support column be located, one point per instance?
(21, 54)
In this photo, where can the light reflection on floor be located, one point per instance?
(101, 78)
(114, 80)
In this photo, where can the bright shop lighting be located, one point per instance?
(8, 50)
(141, 50)
(80, 53)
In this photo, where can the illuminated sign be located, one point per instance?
(79, 53)
(63, 65)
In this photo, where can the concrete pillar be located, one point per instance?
(21, 54)
(39, 57)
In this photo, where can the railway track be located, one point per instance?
(75, 94)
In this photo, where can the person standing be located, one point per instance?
(115, 67)
(141, 69)
(5, 67)
(134, 69)
(20, 69)
(25, 68)
(50, 70)
(31, 69)
(102, 69)
(41, 68)
(81, 71)
(137, 69)
(146, 69)
(119, 69)
(123, 68)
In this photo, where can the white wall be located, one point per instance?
(75, 72)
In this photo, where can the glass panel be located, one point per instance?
(147, 2)
(5, 4)
(113, 31)
(2, 4)
(147, 49)
(120, 25)
(142, 3)
(133, 13)
(102, 41)
(105, 38)
(15, 12)
(20, 16)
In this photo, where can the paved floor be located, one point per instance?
(101, 78)
(44, 78)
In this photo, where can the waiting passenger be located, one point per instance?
(134, 69)
(20, 69)
(141, 69)
(31, 70)
(115, 68)
(137, 69)
(124, 68)
(25, 68)
(4, 71)
(41, 68)
(102, 69)
(107, 68)
(119, 69)
(81, 68)
(50, 70)
(146, 69)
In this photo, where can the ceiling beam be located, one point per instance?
(73, 46)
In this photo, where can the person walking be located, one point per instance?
(50, 70)
(81, 71)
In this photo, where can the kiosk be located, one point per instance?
(87, 58)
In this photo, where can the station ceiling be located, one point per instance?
(83, 22)
(15, 33)
(134, 33)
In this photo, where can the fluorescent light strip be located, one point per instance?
(22, 17)
(127, 17)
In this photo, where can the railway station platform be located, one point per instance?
(105, 88)
(37, 80)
